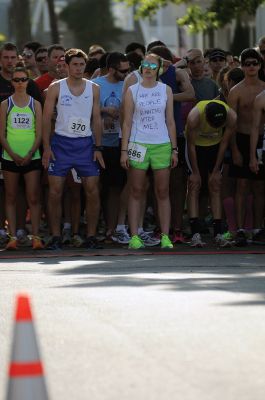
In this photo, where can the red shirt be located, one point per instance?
(44, 81)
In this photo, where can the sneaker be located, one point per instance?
(221, 241)
(22, 238)
(12, 243)
(259, 237)
(136, 243)
(121, 236)
(149, 239)
(37, 243)
(3, 238)
(55, 244)
(228, 236)
(66, 236)
(166, 242)
(177, 237)
(240, 239)
(92, 243)
(196, 241)
(77, 241)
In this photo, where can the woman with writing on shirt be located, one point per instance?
(149, 140)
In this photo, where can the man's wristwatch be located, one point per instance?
(98, 148)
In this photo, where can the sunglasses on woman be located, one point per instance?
(20, 79)
(146, 64)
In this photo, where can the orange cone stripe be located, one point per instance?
(25, 369)
(23, 312)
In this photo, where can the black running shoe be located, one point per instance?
(55, 244)
(240, 239)
(92, 243)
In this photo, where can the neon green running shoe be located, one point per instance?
(166, 242)
(228, 235)
(136, 243)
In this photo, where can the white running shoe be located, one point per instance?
(121, 236)
(196, 241)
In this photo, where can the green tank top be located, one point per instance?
(208, 135)
(20, 129)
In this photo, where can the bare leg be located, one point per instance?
(258, 192)
(56, 185)
(91, 188)
(136, 183)
(11, 184)
(242, 189)
(161, 179)
(32, 180)
(178, 192)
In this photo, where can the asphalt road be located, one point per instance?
(140, 328)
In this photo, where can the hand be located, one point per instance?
(17, 159)
(195, 180)
(215, 179)
(99, 158)
(254, 165)
(125, 160)
(26, 160)
(174, 159)
(237, 158)
(46, 157)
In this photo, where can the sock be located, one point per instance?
(248, 224)
(67, 225)
(217, 226)
(120, 228)
(194, 225)
(229, 207)
(140, 230)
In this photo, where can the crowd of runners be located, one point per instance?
(109, 147)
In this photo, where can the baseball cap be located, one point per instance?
(217, 53)
(192, 54)
(215, 114)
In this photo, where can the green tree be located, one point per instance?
(21, 24)
(217, 14)
(91, 22)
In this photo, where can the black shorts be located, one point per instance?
(113, 174)
(34, 165)
(244, 172)
(206, 160)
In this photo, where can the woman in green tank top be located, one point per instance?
(20, 135)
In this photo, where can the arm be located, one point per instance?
(170, 122)
(126, 128)
(232, 101)
(228, 134)
(192, 127)
(254, 135)
(187, 91)
(50, 102)
(3, 109)
(97, 125)
(38, 128)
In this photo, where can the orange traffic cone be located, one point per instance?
(26, 377)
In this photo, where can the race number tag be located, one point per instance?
(21, 121)
(136, 152)
(78, 126)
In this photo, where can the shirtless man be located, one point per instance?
(241, 98)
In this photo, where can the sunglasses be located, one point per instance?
(249, 63)
(40, 59)
(25, 79)
(27, 55)
(123, 71)
(146, 64)
(216, 59)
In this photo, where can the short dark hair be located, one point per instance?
(163, 52)
(114, 59)
(55, 47)
(71, 53)
(103, 60)
(8, 46)
(250, 53)
(134, 46)
(154, 44)
(92, 65)
(134, 60)
(41, 50)
(34, 46)
(235, 74)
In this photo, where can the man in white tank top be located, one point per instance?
(77, 102)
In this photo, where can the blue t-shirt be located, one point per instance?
(110, 96)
